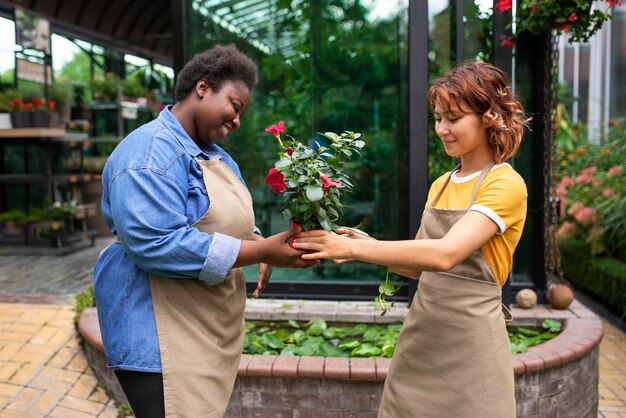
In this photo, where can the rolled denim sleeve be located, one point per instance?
(148, 210)
(222, 255)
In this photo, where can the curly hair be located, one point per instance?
(486, 89)
(216, 65)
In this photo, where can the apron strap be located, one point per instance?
(441, 189)
(483, 175)
(508, 316)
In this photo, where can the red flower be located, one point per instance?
(37, 103)
(504, 5)
(276, 179)
(328, 182)
(17, 104)
(276, 129)
(289, 151)
(614, 2)
(572, 17)
(507, 41)
(52, 106)
(565, 27)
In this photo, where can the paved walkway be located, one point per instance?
(44, 373)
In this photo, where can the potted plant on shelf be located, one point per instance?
(104, 88)
(62, 96)
(12, 221)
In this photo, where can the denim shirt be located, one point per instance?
(153, 192)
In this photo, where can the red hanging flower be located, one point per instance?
(614, 2)
(507, 41)
(504, 5)
(276, 180)
(572, 17)
(328, 182)
(565, 27)
(289, 151)
(276, 129)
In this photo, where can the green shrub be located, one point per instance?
(83, 300)
(602, 277)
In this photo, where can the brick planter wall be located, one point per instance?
(557, 378)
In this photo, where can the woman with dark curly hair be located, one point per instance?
(452, 357)
(170, 292)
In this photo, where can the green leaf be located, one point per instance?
(388, 350)
(551, 325)
(284, 163)
(366, 350)
(325, 223)
(316, 326)
(349, 344)
(314, 193)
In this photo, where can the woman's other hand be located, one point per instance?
(265, 272)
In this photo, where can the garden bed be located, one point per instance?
(559, 375)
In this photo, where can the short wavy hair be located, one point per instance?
(486, 89)
(216, 65)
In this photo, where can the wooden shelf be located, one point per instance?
(33, 133)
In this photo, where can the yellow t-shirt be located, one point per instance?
(501, 197)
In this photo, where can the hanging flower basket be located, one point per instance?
(579, 18)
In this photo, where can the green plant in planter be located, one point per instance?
(62, 210)
(6, 97)
(105, 87)
(318, 338)
(132, 88)
(18, 216)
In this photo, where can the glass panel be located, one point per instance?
(323, 66)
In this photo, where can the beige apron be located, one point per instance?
(201, 327)
(452, 357)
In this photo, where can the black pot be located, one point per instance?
(20, 119)
(40, 119)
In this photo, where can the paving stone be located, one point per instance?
(46, 403)
(24, 400)
(82, 405)
(8, 413)
(84, 387)
(62, 412)
(25, 374)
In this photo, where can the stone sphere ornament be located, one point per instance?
(526, 298)
(560, 296)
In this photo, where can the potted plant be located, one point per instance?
(61, 95)
(11, 221)
(104, 88)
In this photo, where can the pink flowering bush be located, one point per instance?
(592, 194)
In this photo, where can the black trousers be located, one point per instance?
(144, 392)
